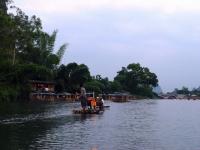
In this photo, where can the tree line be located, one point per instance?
(27, 53)
(185, 91)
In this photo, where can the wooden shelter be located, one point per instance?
(41, 86)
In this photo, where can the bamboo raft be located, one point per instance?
(90, 111)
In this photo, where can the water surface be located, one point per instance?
(136, 125)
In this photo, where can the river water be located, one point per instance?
(136, 125)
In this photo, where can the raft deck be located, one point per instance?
(90, 111)
(86, 111)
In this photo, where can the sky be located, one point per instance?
(163, 35)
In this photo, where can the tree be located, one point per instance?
(26, 52)
(3, 6)
(136, 79)
(184, 90)
(46, 45)
(7, 26)
(122, 78)
(32, 45)
(72, 75)
(94, 86)
(81, 74)
(115, 86)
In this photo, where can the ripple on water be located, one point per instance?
(136, 125)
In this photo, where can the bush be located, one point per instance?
(8, 94)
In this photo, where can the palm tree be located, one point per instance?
(47, 44)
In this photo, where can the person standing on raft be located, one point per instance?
(83, 97)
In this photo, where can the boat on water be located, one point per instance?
(96, 106)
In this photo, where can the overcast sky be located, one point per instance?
(163, 35)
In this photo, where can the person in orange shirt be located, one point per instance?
(89, 102)
(93, 103)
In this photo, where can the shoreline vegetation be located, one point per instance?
(27, 54)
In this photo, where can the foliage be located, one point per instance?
(98, 85)
(70, 77)
(115, 86)
(184, 90)
(26, 52)
(3, 5)
(94, 86)
(8, 93)
(136, 79)
(101, 85)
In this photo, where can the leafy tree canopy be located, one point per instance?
(26, 51)
(136, 79)
(72, 75)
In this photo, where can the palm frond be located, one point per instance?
(51, 41)
(61, 51)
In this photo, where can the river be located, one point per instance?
(135, 125)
